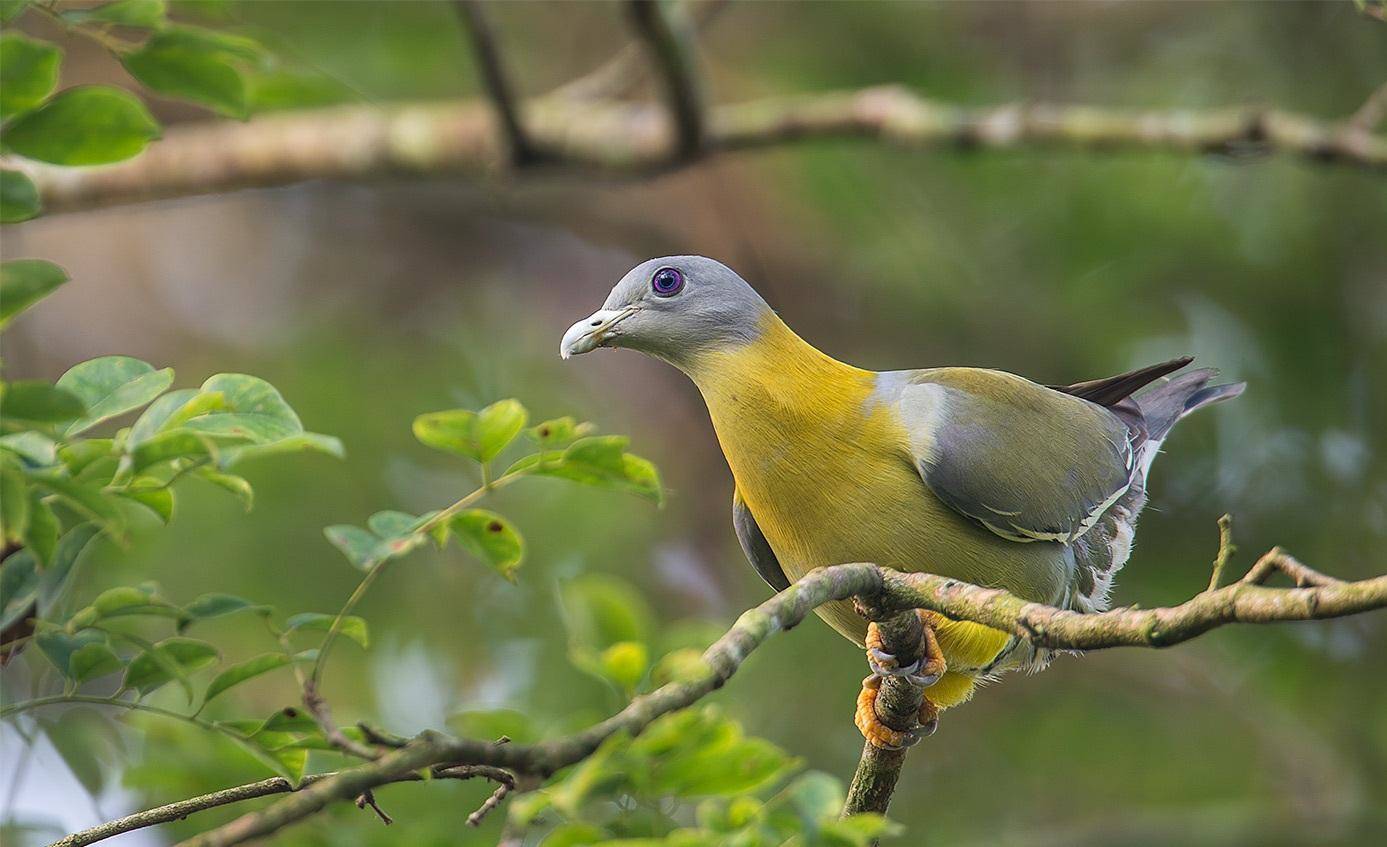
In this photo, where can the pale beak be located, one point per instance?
(591, 332)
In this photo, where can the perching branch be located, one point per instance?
(884, 593)
(607, 138)
(897, 706)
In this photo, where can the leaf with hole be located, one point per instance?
(491, 538)
(111, 386)
(85, 125)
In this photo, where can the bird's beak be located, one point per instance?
(593, 331)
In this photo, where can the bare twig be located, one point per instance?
(368, 798)
(317, 707)
(1226, 549)
(622, 74)
(496, 80)
(668, 38)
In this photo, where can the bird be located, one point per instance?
(969, 473)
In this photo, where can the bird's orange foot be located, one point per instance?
(883, 736)
(924, 672)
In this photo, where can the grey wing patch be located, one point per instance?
(1027, 463)
(754, 544)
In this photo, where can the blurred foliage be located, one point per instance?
(368, 305)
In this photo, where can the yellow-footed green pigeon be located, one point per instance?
(970, 473)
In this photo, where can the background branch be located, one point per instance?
(610, 138)
(669, 41)
(496, 79)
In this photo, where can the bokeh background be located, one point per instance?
(368, 304)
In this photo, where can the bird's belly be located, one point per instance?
(887, 516)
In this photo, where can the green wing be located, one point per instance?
(1025, 461)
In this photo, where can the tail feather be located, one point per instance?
(1169, 401)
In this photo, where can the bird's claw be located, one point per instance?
(878, 733)
(923, 672)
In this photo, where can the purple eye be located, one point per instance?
(667, 282)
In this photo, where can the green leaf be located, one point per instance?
(91, 661)
(625, 663)
(285, 88)
(558, 432)
(861, 830)
(88, 744)
(19, 199)
(352, 627)
(171, 659)
(30, 71)
(86, 125)
(111, 386)
(42, 537)
(217, 605)
(253, 410)
(19, 587)
(10, 9)
(308, 442)
(360, 546)
(289, 762)
(237, 485)
(63, 563)
(170, 446)
(174, 64)
(601, 610)
(24, 282)
(77, 456)
(140, 13)
(58, 646)
(491, 538)
(477, 435)
(39, 402)
(156, 498)
(14, 503)
(34, 447)
(600, 461)
(242, 671)
(172, 410)
(89, 500)
(127, 600)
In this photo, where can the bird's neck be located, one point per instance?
(774, 390)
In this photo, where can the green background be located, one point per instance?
(368, 304)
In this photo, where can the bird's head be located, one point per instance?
(673, 308)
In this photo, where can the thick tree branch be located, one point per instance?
(607, 138)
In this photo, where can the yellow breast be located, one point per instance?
(827, 472)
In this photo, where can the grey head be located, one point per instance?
(673, 308)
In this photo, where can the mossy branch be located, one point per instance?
(884, 593)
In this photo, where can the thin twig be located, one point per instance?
(497, 80)
(669, 41)
(622, 74)
(1226, 549)
(368, 798)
